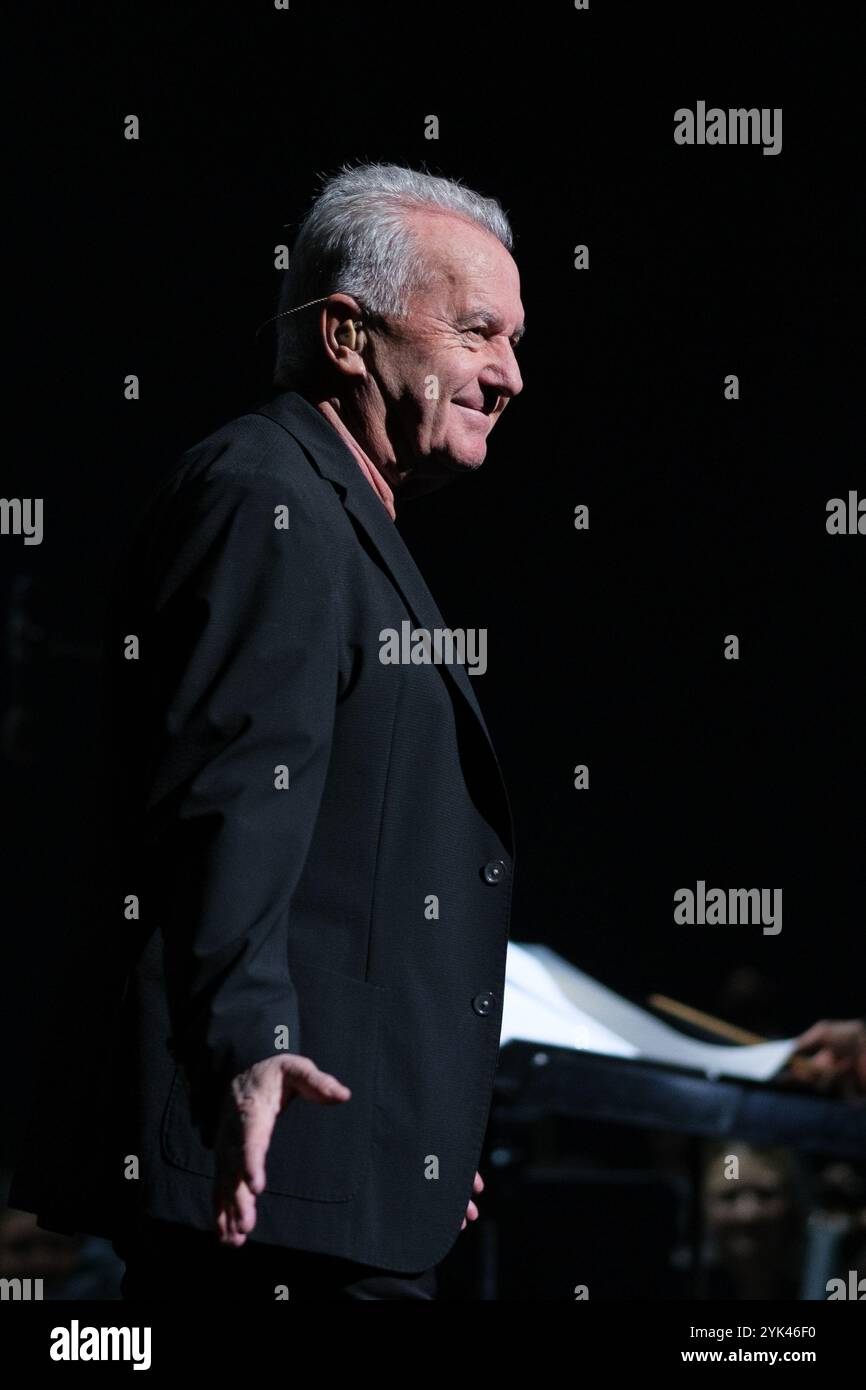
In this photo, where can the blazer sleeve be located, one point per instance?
(240, 655)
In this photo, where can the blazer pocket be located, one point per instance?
(320, 1152)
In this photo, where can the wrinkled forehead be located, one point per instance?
(465, 263)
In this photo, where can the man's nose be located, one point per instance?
(747, 1210)
(501, 373)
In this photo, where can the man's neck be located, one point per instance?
(375, 452)
(375, 474)
(369, 436)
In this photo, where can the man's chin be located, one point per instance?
(437, 470)
(465, 457)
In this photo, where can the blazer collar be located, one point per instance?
(333, 460)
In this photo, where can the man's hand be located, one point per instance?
(836, 1051)
(472, 1210)
(246, 1125)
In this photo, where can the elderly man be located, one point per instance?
(316, 845)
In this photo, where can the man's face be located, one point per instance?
(752, 1217)
(446, 371)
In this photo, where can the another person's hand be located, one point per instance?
(249, 1114)
(472, 1210)
(836, 1051)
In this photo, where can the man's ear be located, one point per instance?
(343, 335)
(349, 332)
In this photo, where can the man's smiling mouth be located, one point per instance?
(478, 411)
(485, 411)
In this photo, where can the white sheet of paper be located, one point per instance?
(527, 1017)
(548, 1000)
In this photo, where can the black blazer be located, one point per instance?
(364, 907)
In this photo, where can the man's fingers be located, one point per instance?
(471, 1209)
(245, 1210)
(816, 1036)
(259, 1120)
(304, 1078)
(255, 1102)
(236, 1216)
(231, 1226)
(812, 1035)
(829, 1067)
(844, 1037)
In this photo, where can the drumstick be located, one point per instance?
(702, 1020)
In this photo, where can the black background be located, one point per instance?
(707, 516)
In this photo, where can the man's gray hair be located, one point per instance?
(356, 238)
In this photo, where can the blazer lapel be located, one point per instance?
(334, 461)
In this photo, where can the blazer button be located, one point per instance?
(482, 1004)
(494, 872)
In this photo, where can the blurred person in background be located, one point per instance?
(755, 1213)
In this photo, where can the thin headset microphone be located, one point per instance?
(274, 318)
